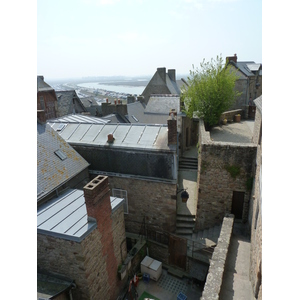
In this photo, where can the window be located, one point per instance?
(60, 154)
(121, 194)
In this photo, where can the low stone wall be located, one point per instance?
(225, 169)
(214, 278)
(229, 115)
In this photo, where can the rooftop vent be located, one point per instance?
(60, 154)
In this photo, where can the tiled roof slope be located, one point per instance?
(51, 170)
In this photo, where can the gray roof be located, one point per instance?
(172, 85)
(42, 86)
(150, 137)
(258, 103)
(66, 216)
(162, 104)
(79, 118)
(52, 171)
(246, 67)
(65, 104)
(155, 112)
(49, 285)
(89, 101)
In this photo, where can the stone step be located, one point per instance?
(185, 216)
(186, 219)
(188, 225)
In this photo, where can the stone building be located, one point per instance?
(68, 103)
(141, 162)
(80, 234)
(46, 100)
(224, 179)
(162, 82)
(255, 217)
(249, 81)
(80, 228)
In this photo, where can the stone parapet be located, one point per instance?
(214, 279)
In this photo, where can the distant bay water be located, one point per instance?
(119, 88)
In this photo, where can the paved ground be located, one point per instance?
(168, 287)
(188, 180)
(241, 132)
(236, 284)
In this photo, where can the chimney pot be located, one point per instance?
(110, 138)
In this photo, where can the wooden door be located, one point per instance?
(237, 204)
(177, 251)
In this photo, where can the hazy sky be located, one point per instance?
(77, 38)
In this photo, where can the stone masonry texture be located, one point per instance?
(93, 262)
(214, 278)
(150, 199)
(216, 184)
(256, 216)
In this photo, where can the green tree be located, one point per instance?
(210, 91)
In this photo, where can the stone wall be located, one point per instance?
(255, 219)
(229, 115)
(93, 262)
(214, 278)
(156, 200)
(69, 258)
(224, 168)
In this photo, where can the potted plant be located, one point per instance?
(237, 118)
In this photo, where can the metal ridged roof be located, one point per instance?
(66, 216)
(78, 118)
(138, 136)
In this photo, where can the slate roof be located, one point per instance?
(52, 171)
(49, 285)
(246, 67)
(65, 102)
(42, 86)
(155, 112)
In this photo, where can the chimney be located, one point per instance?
(172, 127)
(110, 138)
(172, 74)
(162, 73)
(231, 58)
(97, 198)
(130, 99)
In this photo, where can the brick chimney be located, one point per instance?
(97, 199)
(231, 58)
(172, 127)
(162, 73)
(172, 74)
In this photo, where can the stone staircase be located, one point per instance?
(212, 234)
(188, 163)
(185, 225)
